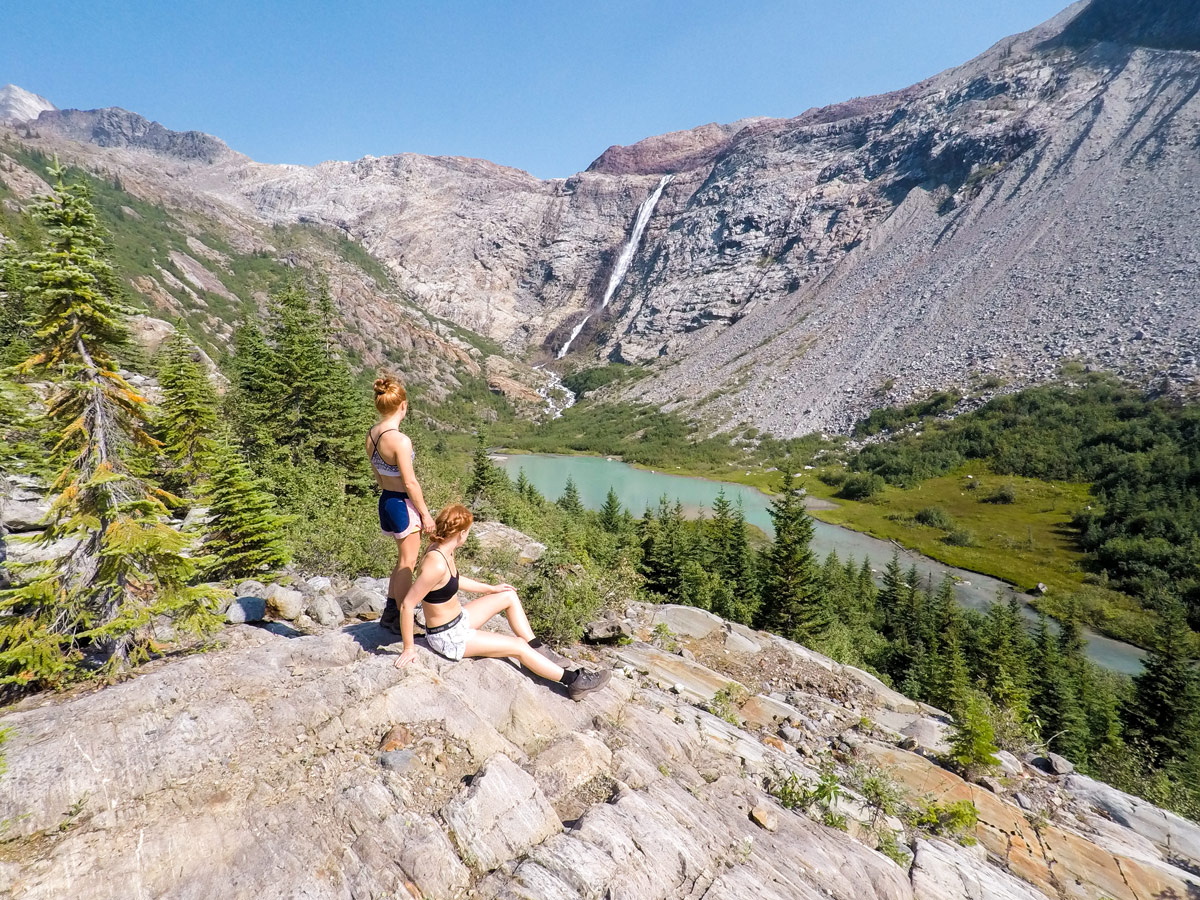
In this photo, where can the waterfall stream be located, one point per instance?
(644, 212)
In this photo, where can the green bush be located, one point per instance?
(960, 537)
(935, 517)
(1006, 493)
(860, 486)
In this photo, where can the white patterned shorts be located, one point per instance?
(450, 640)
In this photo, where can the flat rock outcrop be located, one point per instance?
(291, 764)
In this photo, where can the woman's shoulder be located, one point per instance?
(435, 560)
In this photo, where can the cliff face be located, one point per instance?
(293, 764)
(1032, 205)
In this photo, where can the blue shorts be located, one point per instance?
(397, 515)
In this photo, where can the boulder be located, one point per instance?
(284, 603)
(20, 516)
(246, 609)
(251, 588)
(359, 600)
(740, 639)
(928, 734)
(500, 816)
(325, 610)
(607, 631)
(688, 621)
(1009, 764)
(319, 584)
(1053, 764)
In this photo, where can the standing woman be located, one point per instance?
(453, 631)
(402, 511)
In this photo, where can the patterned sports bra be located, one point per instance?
(382, 466)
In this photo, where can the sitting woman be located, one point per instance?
(452, 630)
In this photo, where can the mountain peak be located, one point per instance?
(1161, 24)
(18, 105)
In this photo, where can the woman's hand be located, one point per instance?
(409, 654)
(427, 524)
(500, 588)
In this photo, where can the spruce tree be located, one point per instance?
(125, 565)
(610, 513)
(188, 415)
(526, 489)
(1164, 711)
(243, 535)
(485, 475)
(1056, 704)
(973, 740)
(569, 502)
(792, 604)
(732, 562)
(256, 407)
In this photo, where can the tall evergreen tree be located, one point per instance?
(243, 533)
(485, 475)
(570, 501)
(126, 564)
(188, 418)
(610, 513)
(1164, 711)
(792, 604)
(1056, 705)
(732, 562)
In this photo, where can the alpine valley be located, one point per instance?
(1036, 204)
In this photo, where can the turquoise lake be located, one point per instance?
(639, 489)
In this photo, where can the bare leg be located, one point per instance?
(485, 643)
(406, 560)
(483, 608)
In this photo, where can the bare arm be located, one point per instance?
(411, 486)
(432, 572)
(471, 586)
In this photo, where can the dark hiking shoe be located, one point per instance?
(586, 682)
(557, 658)
(390, 619)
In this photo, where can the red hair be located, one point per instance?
(389, 395)
(451, 521)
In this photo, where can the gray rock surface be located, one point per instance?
(280, 742)
(325, 609)
(1175, 836)
(688, 620)
(501, 815)
(246, 609)
(945, 871)
(22, 515)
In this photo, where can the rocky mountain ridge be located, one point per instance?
(1031, 206)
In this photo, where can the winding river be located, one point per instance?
(639, 489)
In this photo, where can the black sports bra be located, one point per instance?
(447, 591)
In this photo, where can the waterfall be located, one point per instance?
(559, 398)
(641, 220)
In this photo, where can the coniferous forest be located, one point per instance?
(255, 467)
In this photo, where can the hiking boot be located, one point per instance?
(390, 619)
(557, 658)
(587, 681)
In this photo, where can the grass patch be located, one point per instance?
(1024, 542)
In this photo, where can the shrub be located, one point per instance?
(1006, 493)
(860, 486)
(935, 517)
(952, 820)
(960, 537)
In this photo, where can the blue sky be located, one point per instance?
(544, 86)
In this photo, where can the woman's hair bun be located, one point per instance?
(389, 394)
